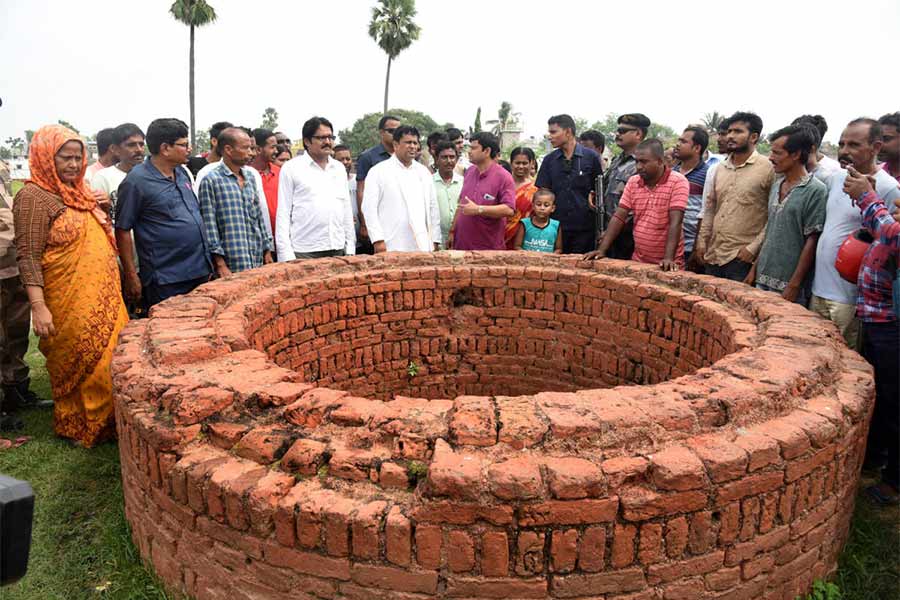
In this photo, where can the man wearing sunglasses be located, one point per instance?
(631, 131)
(368, 159)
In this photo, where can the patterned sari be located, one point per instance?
(82, 292)
(523, 209)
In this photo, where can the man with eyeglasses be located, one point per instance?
(128, 144)
(631, 131)
(314, 217)
(157, 201)
(371, 157)
(400, 203)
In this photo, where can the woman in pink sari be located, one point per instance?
(523, 161)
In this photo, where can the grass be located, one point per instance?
(82, 549)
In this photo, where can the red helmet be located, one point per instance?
(850, 255)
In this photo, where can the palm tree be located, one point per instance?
(711, 121)
(394, 31)
(193, 13)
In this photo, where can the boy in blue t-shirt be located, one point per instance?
(540, 233)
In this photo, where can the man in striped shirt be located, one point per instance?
(689, 152)
(657, 198)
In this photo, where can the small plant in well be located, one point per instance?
(416, 471)
(322, 473)
(823, 590)
(412, 369)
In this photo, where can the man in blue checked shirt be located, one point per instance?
(238, 237)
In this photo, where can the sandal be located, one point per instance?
(10, 422)
(880, 494)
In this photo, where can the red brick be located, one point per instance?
(200, 404)
(687, 589)
(398, 538)
(530, 555)
(366, 524)
(724, 460)
(723, 579)
(749, 518)
(758, 566)
(641, 504)
(676, 537)
(792, 440)
(458, 587)
(798, 468)
(225, 435)
(626, 469)
(392, 475)
(563, 550)
(761, 449)
(461, 514)
(650, 546)
(460, 552)
(494, 554)
(454, 474)
(592, 552)
(305, 456)
(699, 565)
(428, 546)
(516, 479)
(702, 535)
(762, 543)
(520, 423)
(622, 553)
(473, 422)
(677, 468)
(751, 485)
(398, 580)
(264, 445)
(572, 478)
(568, 512)
(336, 520)
(730, 522)
(575, 586)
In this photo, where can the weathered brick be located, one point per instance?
(397, 538)
(592, 551)
(460, 552)
(563, 550)
(495, 554)
(677, 468)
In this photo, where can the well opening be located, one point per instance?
(508, 332)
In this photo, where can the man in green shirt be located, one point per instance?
(796, 218)
(447, 185)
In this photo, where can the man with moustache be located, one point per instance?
(736, 211)
(264, 164)
(236, 228)
(688, 152)
(371, 157)
(796, 217)
(832, 296)
(400, 204)
(128, 145)
(315, 216)
(656, 197)
(631, 131)
(890, 147)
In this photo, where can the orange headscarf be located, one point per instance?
(46, 142)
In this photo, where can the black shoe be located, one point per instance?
(19, 396)
(10, 422)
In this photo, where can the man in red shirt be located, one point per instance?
(657, 197)
(268, 170)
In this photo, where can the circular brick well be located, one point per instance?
(487, 425)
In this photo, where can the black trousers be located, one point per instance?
(735, 270)
(154, 293)
(881, 347)
(578, 242)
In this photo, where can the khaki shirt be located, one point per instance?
(8, 266)
(737, 210)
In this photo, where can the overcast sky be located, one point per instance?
(98, 63)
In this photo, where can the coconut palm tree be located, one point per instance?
(193, 13)
(394, 31)
(711, 121)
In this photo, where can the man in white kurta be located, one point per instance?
(399, 202)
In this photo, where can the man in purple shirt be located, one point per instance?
(487, 198)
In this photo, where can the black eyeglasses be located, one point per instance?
(624, 130)
(324, 138)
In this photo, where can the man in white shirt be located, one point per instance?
(833, 297)
(105, 155)
(215, 158)
(128, 145)
(458, 140)
(399, 202)
(315, 216)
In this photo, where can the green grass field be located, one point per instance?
(81, 546)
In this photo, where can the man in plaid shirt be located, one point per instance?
(881, 330)
(238, 236)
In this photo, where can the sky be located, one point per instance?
(98, 63)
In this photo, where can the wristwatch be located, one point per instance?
(480, 210)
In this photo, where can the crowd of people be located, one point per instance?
(95, 244)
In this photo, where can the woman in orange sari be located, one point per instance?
(523, 161)
(67, 262)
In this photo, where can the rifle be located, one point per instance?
(599, 206)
